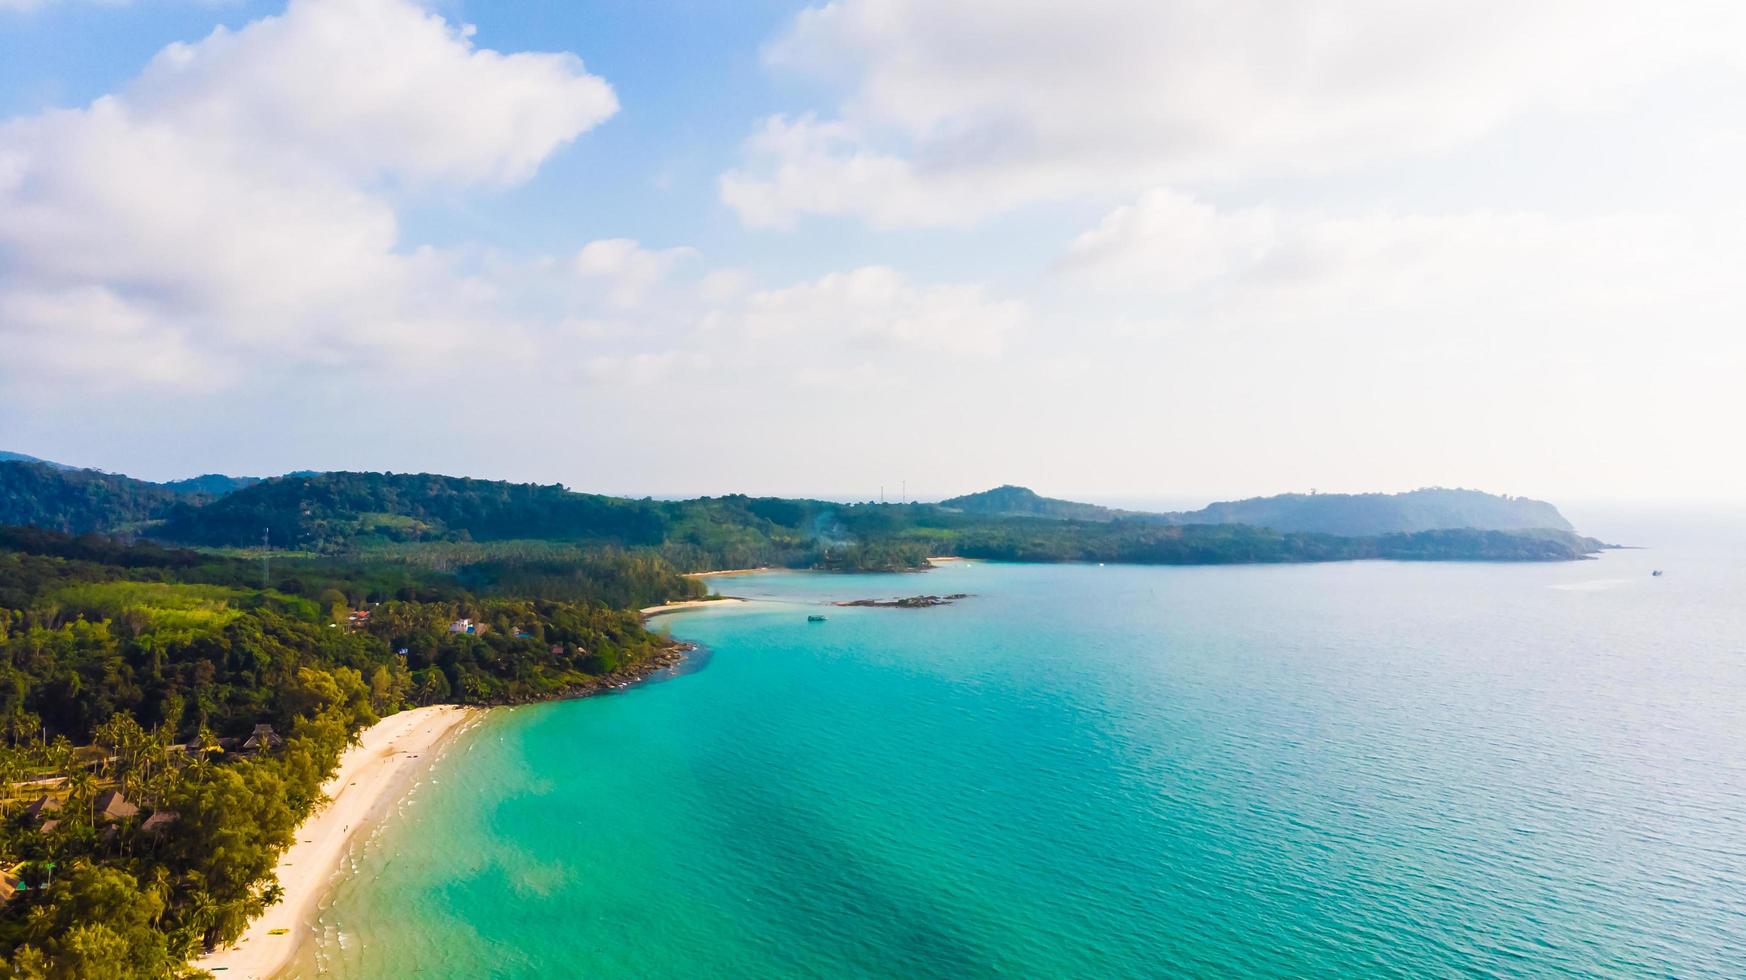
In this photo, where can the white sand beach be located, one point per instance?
(371, 777)
(726, 572)
(689, 604)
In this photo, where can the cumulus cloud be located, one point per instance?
(955, 109)
(1170, 242)
(233, 198)
(875, 308)
(1515, 317)
(373, 88)
(1521, 270)
(630, 269)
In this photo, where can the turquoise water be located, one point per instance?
(1357, 769)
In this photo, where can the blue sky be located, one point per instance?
(1124, 249)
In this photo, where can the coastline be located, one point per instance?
(729, 572)
(672, 607)
(372, 776)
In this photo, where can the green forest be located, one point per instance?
(549, 542)
(139, 670)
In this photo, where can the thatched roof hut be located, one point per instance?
(263, 738)
(113, 806)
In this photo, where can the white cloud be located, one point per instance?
(374, 88)
(955, 109)
(1171, 242)
(93, 335)
(642, 369)
(1494, 330)
(874, 308)
(1514, 272)
(230, 200)
(629, 269)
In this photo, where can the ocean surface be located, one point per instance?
(1357, 769)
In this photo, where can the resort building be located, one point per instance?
(113, 806)
(46, 804)
(263, 738)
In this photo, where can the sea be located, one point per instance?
(1361, 769)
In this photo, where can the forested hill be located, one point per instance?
(1011, 501)
(1346, 514)
(516, 535)
(533, 538)
(79, 501)
(6, 457)
(50, 495)
(1430, 509)
(210, 484)
(330, 508)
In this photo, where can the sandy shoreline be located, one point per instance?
(371, 778)
(669, 607)
(726, 572)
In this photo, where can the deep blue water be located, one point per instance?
(1354, 769)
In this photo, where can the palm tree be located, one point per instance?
(11, 768)
(59, 755)
(84, 786)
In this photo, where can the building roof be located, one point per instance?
(159, 820)
(44, 804)
(264, 737)
(9, 883)
(114, 806)
(48, 826)
(194, 747)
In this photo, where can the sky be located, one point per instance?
(1115, 249)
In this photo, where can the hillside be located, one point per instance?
(6, 457)
(210, 484)
(40, 493)
(313, 512)
(1013, 501)
(541, 539)
(1431, 509)
(79, 501)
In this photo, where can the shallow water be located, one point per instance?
(1352, 769)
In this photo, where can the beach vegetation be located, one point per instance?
(133, 677)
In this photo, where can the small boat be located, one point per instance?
(815, 619)
(277, 932)
(1656, 573)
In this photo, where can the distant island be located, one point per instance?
(173, 695)
(1346, 514)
